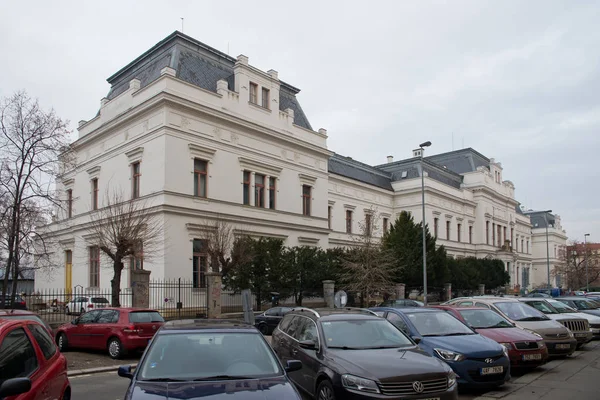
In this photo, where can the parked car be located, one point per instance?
(593, 320)
(30, 364)
(220, 359)
(81, 304)
(559, 340)
(401, 303)
(352, 353)
(538, 294)
(18, 304)
(24, 315)
(268, 320)
(582, 304)
(118, 330)
(579, 326)
(525, 349)
(478, 361)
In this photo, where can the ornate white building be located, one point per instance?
(199, 135)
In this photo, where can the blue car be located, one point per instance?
(478, 361)
(216, 359)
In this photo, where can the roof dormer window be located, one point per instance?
(266, 94)
(253, 93)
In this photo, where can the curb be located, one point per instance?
(79, 372)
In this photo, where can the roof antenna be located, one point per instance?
(181, 24)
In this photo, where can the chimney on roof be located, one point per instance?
(390, 159)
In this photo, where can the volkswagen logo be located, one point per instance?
(418, 387)
(489, 360)
(154, 327)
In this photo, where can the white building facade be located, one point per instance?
(200, 136)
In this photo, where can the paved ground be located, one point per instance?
(83, 360)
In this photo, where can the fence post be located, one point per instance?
(179, 302)
(400, 291)
(481, 289)
(140, 288)
(213, 307)
(448, 290)
(328, 293)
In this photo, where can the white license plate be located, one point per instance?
(580, 334)
(492, 370)
(563, 346)
(529, 357)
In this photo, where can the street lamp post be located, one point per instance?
(421, 146)
(547, 250)
(587, 277)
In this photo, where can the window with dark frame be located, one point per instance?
(447, 230)
(348, 221)
(259, 190)
(272, 193)
(306, 199)
(69, 203)
(368, 225)
(135, 180)
(199, 263)
(499, 228)
(94, 272)
(95, 194)
(436, 227)
(246, 176)
(487, 232)
(253, 93)
(385, 226)
(504, 233)
(329, 217)
(470, 234)
(266, 93)
(19, 358)
(200, 177)
(458, 229)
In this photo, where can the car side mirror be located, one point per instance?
(124, 371)
(293, 365)
(75, 321)
(14, 387)
(416, 339)
(308, 344)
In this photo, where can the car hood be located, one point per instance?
(384, 364)
(508, 335)
(247, 389)
(595, 312)
(592, 319)
(540, 325)
(472, 346)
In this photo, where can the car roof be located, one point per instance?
(470, 308)
(207, 324)
(126, 309)
(498, 299)
(15, 312)
(410, 310)
(334, 313)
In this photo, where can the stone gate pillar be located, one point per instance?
(400, 291)
(140, 288)
(481, 289)
(328, 293)
(214, 284)
(448, 291)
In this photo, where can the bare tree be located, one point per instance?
(218, 239)
(33, 144)
(572, 265)
(368, 268)
(122, 229)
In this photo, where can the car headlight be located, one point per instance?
(448, 355)
(361, 384)
(451, 379)
(507, 347)
(570, 334)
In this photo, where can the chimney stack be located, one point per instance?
(390, 159)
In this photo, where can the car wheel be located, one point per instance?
(62, 342)
(115, 348)
(67, 394)
(325, 391)
(264, 329)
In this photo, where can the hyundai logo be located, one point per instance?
(489, 360)
(418, 387)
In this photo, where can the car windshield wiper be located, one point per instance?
(395, 346)
(347, 347)
(457, 334)
(163, 380)
(533, 319)
(222, 378)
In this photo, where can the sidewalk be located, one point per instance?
(577, 377)
(80, 362)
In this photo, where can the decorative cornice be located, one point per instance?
(67, 243)
(67, 183)
(308, 240)
(307, 179)
(331, 202)
(253, 234)
(260, 167)
(94, 171)
(349, 206)
(205, 153)
(435, 212)
(449, 216)
(135, 154)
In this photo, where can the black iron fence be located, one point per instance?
(231, 301)
(178, 298)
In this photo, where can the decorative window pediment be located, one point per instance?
(135, 154)
(205, 153)
(259, 166)
(307, 179)
(349, 207)
(94, 172)
(68, 183)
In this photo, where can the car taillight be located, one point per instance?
(22, 303)
(131, 329)
(90, 306)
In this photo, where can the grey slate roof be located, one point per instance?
(195, 63)
(24, 273)
(412, 167)
(460, 161)
(361, 172)
(538, 219)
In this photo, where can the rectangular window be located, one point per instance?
(470, 234)
(272, 192)
(436, 226)
(348, 221)
(69, 203)
(458, 227)
(259, 190)
(493, 234)
(200, 175)
(253, 93)
(368, 225)
(265, 97)
(528, 247)
(247, 187)
(135, 180)
(512, 236)
(329, 217)
(504, 235)
(487, 232)
(447, 230)
(385, 226)
(306, 193)
(95, 194)
(499, 235)
(522, 246)
(94, 273)
(199, 263)
(136, 261)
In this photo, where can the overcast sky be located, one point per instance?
(518, 81)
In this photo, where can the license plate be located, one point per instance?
(563, 346)
(580, 334)
(492, 370)
(529, 357)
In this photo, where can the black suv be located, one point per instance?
(352, 353)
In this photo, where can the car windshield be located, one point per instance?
(208, 356)
(438, 324)
(542, 306)
(140, 317)
(484, 319)
(561, 307)
(359, 334)
(518, 311)
(585, 304)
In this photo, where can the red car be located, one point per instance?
(31, 367)
(525, 349)
(118, 330)
(24, 315)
